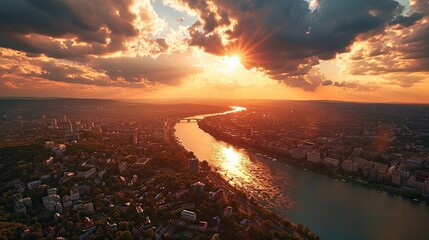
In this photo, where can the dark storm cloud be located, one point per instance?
(103, 25)
(407, 21)
(286, 38)
(211, 43)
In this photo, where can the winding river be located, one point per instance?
(331, 208)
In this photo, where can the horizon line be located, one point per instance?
(203, 99)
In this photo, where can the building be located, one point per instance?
(198, 187)
(216, 221)
(381, 167)
(193, 165)
(59, 150)
(67, 201)
(70, 127)
(215, 236)
(313, 156)
(202, 226)
(58, 207)
(188, 215)
(86, 174)
(87, 208)
(179, 194)
(331, 162)
(49, 144)
(74, 193)
(362, 163)
(349, 166)
(34, 184)
(54, 122)
(101, 174)
(20, 208)
(416, 183)
(297, 153)
(251, 132)
(139, 210)
(227, 211)
(215, 194)
(52, 203)
(26, 201)
(122, 167)
(396, 179)
(142, 162)
(52, 191)
(49, 161)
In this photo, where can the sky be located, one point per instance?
(348, 50)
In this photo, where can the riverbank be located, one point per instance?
(331, 208)
(314, 167)
(262, 216)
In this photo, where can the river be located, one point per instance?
(329, 207)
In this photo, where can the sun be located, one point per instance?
(232, 62)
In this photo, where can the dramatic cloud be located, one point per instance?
(127, 43)
(80, 28)
(84, 34)
(287, 38)
(400, 54)
(170, 70)
(130, 72)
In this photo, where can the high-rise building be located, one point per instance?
(70, 127)
(193, 165)
(54, 122)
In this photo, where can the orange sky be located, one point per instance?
(352, 51)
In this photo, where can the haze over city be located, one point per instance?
(367, 51)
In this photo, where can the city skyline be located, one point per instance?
(362, 51)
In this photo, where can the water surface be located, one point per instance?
(331, 208)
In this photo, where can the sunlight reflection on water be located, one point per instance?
(320, 202)
(251, 175)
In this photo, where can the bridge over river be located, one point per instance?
(189, 120)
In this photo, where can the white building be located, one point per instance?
(188, 215)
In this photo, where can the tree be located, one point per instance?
(69, 226)
(125, 235)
